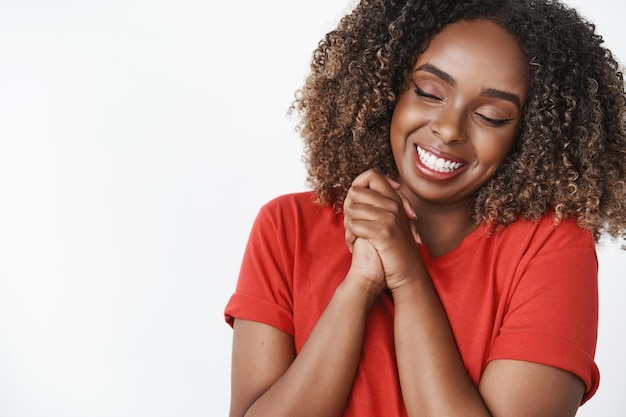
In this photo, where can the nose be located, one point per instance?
(449, 126)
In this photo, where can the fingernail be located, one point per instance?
(393, 183)
(413, 214)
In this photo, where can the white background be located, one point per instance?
(137, 141)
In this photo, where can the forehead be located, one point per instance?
(478, 49)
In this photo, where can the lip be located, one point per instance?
(431, 173)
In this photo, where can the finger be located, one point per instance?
(395, 185)
(368, 222)
(368, 196)
(410, 212)
(356, 215)
(350, 238)
(408, 208)
(416, 236)
(365, 229)
(384, 216)
(376, 181)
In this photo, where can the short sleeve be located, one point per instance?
(552, 316)
(263, 291)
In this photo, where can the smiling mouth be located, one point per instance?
(437, 163)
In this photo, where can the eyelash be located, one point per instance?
(421, 93)
(494, 122)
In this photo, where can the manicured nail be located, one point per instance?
(393, 183)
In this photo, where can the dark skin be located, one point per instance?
(448, 111)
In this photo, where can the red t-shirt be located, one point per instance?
(528, 292)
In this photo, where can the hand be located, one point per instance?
(375, 210)
(366, 269)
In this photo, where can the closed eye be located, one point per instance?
(421, 93)
(494, 122)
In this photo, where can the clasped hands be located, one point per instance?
(381, 233)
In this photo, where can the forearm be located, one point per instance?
(319, 380)
(432, 375)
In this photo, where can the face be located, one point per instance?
(460, 113)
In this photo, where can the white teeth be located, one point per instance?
(437, 164)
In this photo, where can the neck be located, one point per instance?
(443, 227)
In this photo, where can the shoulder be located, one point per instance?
(298, 212)
(547, 232)
(526, 242)
(300, 205)
(301, 200)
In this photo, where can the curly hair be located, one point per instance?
(571, 151)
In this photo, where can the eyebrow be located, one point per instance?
(502, 95)
(438, 72)
(487, 92)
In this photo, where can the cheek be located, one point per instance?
(398, 146)
(496, 148)
(407, 116)
(398, 128)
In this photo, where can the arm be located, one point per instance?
(516, 388)
(428, 358)
(268, 379)
(432, 375)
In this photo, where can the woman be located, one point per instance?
(463, 157)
